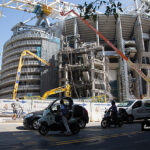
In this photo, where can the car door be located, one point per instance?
(137, 110)
(147, 108)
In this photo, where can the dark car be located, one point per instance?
(79, 112)
(31, 120)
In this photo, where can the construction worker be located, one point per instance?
(64, 116)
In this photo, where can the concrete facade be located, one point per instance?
(34, 74)
(130, 34)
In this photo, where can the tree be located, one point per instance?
(111, 7)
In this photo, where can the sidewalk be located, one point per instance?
(10, 120)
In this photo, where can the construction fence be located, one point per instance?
(95, 109)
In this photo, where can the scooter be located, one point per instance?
(107, 120)
(50, 121)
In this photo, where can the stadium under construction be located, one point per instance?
(78, 56)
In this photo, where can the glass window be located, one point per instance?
(147, 103)
(137, 104)
(125, 103)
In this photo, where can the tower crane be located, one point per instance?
(42, 8)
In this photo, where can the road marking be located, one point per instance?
(97, 138)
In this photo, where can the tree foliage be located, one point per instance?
(111, 7)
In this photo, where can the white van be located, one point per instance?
(136, 109)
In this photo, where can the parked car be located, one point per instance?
(79, 112)
(136, 109)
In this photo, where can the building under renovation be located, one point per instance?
(94, 69)
(81, 58)
(35, 76)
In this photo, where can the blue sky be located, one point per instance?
(15, 16)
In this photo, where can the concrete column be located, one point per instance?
(140, 47)
(66, 75)
(60, 68)
(148, 85)
(75, 32)
(92, 74)
(123, 63)
(149, 47)
(104, 69)
(119, 81)
(97, 28)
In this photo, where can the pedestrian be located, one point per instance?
(64, 114)
(16, 106)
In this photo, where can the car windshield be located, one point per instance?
(48, 105)
(125, 103)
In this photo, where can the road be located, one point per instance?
(13, 136)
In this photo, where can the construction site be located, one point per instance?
(108, 57)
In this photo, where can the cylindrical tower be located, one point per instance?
(38, 41)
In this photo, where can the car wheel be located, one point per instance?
(74, 127)
(43, 129)
(104, 123)
(82, 124)
(35, 124)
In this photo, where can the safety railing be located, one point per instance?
(18, 50)
(26, 36)
(21, 87)
(24, 70)
(27, 77)
(14, 64)
(22, 43)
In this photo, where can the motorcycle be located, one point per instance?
(107, 120)
(51, 121)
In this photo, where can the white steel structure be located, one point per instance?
(42, 8)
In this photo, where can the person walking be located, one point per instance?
(16, 106)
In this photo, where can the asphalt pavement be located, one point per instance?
(14, 136)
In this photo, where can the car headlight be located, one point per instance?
(28, 115)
